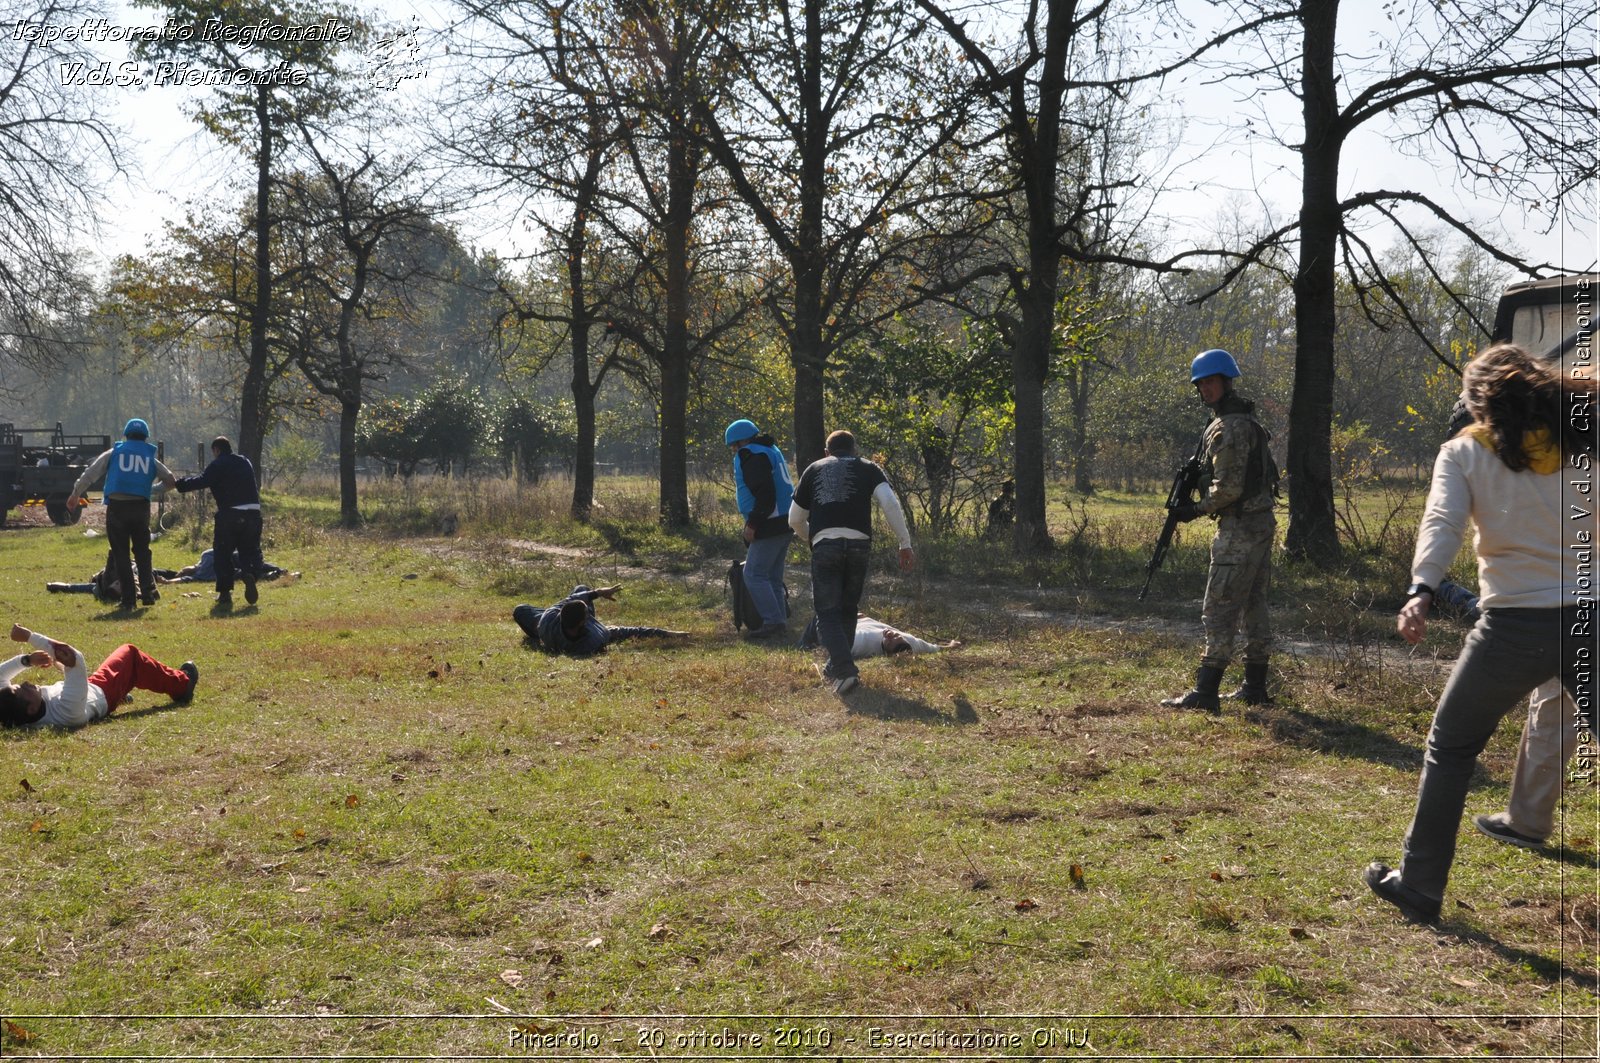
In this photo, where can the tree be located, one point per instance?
(354, 272)
(939, 404)
(196, 292)
(253, 117)
(53, 145)
(1032, 87)
(842, 110)
(1504, 94)
(546, 139)
(664, 75)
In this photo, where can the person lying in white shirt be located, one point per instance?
(874, 638)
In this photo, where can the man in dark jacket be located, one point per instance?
(232, 480)
(570, 626)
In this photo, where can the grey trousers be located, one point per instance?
(1507, 654)
(1548, 741)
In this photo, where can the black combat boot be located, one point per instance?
(1254, 689)
(1204, 695)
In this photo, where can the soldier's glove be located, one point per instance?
(1186, 511)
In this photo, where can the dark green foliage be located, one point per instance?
(443, 427)
(526, 432)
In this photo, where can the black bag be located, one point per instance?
(104, 581)
(745, 613)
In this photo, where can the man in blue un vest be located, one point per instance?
(131, 470)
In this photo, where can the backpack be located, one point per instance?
(745, 613)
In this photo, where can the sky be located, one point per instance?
(173, 165)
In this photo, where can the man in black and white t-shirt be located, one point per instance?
(832, 510)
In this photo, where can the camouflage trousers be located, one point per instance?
(1236, 590)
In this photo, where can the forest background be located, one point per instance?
(954, 228)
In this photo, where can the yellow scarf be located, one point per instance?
(1543, 456)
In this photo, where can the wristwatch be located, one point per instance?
(1418, 588)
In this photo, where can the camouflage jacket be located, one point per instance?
(1236, 466)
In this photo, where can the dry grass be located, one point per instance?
(381, 803)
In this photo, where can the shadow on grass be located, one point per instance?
(1549, 968)
(884, 705)
(1329, 735)
(134, 714)
(1561, 854)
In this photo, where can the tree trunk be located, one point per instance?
(349, 414)
(583, 393)
(1313, 533)
(1031, 351)
(1038, 139)
(810, 428)
(253, 394)
(583, 389)
(807, 353)
(1082, 446)
(682, 167)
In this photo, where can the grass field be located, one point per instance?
(385, 827)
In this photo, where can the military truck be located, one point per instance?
(38, 467)
(1552, 318)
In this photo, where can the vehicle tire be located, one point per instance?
(61, 513)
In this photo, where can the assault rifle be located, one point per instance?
(1184, 485)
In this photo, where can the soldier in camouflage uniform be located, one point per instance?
(1240, 480)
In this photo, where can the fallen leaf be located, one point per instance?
(594, 943)
(661, 703)
(1299, 933)
(659, 931)
(1169, 858)
(36, 826)
(1075, 872)
(1216, 876)
(351, 801)
(1465, 983)
(19, 1033)
(298, 833)
(1027, 904)
(583, 857)
(512, 978)
(27, 787)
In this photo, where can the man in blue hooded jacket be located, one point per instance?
(761, 478)
(131, 469)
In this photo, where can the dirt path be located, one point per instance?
(1006, 603)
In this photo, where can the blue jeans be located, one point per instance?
(838, 578)
(1507, 654)
(763, 576)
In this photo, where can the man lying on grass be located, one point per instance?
(82, 698)
(570, 626)
(874, 638)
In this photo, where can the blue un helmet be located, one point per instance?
(1212, 362)
(739, 431)
(136, 429)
